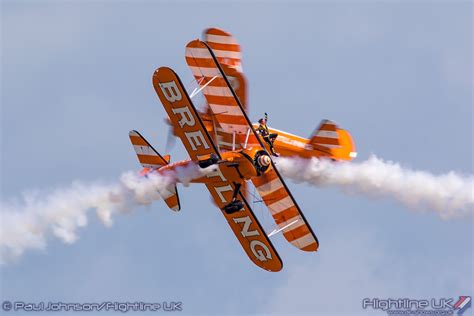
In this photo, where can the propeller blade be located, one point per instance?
(170, 138)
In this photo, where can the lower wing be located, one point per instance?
(190, 128)
(246, 228)
(285, 211)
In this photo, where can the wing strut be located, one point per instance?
(233, 141)
(215, 133)
(276, 231)
(247, 138)
(196, 90)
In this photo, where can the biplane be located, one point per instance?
(223, 136)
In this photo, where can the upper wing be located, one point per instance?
(189, 127)
(228, 53)
(285, 211)
(224, 104)
(225, 47)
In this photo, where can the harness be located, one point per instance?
(263, 129)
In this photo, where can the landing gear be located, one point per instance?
(212, 160)
(236, 205)
(233, 207)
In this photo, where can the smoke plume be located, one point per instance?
(28, 223)
(450, 194)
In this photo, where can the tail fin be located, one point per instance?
(149, 158)
(334, 141)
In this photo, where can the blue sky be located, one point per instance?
(76, 77)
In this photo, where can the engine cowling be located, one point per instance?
(245, 164)
(261, 161)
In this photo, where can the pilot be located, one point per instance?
(263, 130)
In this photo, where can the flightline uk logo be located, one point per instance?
(406, 306)
(462, 304)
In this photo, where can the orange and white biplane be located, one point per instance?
(223, 136)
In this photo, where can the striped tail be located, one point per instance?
(151, 160)
(333, 141)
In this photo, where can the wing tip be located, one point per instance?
(313, 247)
(216, 31)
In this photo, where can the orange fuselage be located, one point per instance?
(289, 145)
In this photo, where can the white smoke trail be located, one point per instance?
(27, 224)
(450, 195)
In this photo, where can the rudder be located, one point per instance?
(334, 141)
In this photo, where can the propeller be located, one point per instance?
(170, 138)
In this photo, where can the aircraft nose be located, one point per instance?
(264, 160)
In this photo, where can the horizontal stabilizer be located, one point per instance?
(170, 195)
(150, 159)
(147, 155)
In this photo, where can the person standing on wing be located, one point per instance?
(267, 137)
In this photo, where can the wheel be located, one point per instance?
(209, 162)
(233, 207)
